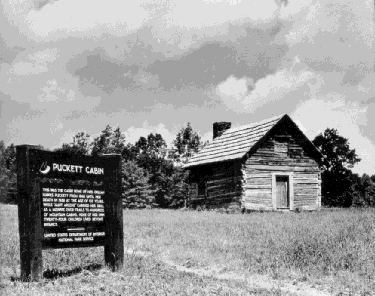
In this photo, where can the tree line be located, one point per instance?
(153, 175)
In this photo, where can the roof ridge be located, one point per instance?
(254, 124)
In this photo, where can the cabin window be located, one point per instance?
(202, 187)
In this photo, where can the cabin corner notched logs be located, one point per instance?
(269, 165)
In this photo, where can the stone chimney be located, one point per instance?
(220, 127)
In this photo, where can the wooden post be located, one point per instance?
(29, 217)
(114, 248)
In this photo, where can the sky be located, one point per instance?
(152, 66)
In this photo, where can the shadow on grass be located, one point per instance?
(51, 274)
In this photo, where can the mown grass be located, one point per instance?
(333, 249)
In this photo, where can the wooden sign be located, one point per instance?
(72, 216)
(56, 212)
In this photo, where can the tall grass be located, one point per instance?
(329, 248)
(335, 248)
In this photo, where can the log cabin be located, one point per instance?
(265, 166)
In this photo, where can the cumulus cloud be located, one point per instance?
(113, 65)
(132, 134)
(243, 95)
(24, 68)
(333, 111)
(84, 18)
(234, 90)
(332, 36)
(53, 20)
(277, 86)
(256, 12)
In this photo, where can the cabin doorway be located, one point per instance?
(282, 192)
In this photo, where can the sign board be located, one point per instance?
(72, 216)
(68, 201)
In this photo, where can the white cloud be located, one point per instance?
(85, 18)
(310, 18)
(278, 85)
(212, 13)
(332, 35)
(301, 127)
(274, 87)
(34, 63)
(132, 134)
(25, 68)
(207, 136)
(333, 111)
(233, 88)
(43, 79)
(93, 18)
(51, 92)
(56, 125)
(366, 88)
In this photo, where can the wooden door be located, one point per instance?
(282, 198)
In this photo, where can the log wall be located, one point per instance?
(223, 185)
(280, 154)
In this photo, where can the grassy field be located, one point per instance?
(327, 250)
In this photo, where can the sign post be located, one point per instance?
(29, 217)
(114, 248)
(56, 212)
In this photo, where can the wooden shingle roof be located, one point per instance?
(235, 143)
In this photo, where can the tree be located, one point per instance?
(336, 150)
(168, 182)
(118, 141)
(367, 191)
(109, 141)
(8, 181)
(79, 146)
(150, 155)
(151, 152)
(337, 177)
(137, 192)
(130, 152)
(178, 189)
(186, 143)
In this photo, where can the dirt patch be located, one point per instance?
(254, 281)
(137, 253)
